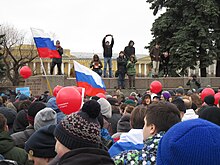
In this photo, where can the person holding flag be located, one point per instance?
(57, 61)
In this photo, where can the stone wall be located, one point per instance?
(38, 84)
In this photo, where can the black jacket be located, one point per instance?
(121, 63)
(129, 50)
(86, 156)
(58, 60)
(107, 49)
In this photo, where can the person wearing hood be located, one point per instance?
(146, 101)
(129, 50)
(7, 147)
(121, 65)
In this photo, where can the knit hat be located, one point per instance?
(80, 129)
(20, 122)
(46, 116)
(180, 91)
(131, 98)
(9, 115)
(209, 100)
(23, 97)
(166, 95)
(106, 108)
(130, 102)
(180, 104)
(211, 114)
(190, 142)
(33, 109)
(113, 101)
(52, 104)
(42, 143)
(124, 123)
(153, 95)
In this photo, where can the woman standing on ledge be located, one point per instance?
(96, 65)
(121, 63)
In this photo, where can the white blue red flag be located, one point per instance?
(89, 80)
(44, 43)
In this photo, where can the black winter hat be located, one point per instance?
(33, 109)
(209, 100)
(180, 104)
(124, 124)
(211, 114)
(80, 129)
(20, 122)
(113, 101)
(42, 143)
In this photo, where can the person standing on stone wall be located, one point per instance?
(107, 53)
(155, 58)
(129, 50)
(57, 61)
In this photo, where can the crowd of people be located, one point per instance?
(171, 127)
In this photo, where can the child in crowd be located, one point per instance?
(134, 138)
(159, 118)
(131, 71)
(96, 65)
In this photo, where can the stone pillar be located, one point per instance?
(62, 68)
(48, 67)
(34, 68)
(189, 70)
(55, 70)
(69, 67)
(145, 70)
(139, 69)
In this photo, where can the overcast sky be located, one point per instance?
(80, 25)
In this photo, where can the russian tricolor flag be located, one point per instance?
(45, 46)
(89, 80)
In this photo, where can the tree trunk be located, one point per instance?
(218, 68)
(16, 79)
(203, 72)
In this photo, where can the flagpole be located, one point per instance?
(45, 74)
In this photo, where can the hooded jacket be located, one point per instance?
(9, 151)
(129, 50)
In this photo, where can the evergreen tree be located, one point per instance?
(187, 30)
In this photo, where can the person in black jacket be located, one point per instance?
(107, 54)
(129, 50)
(121, 64)
(57, 61)
(165, 58)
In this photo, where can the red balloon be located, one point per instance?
(217, 98)
(25, 72)
(69, 100)
(206, 92)
(56, 90)
(101, 95)
(156, 87)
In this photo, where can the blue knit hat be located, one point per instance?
(190, 142)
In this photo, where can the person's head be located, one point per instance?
(128, 109)
(41, 146)
(24, 105)
(122, 108)
(79, 130)
(196, 100)
(166, 53)
(157, 45)
(187, 101)
(106, 108)
(95, 57)
(44, 117)
(190, 142)
(179, 92)
(211, 114)
(146, 99)
(180, 105)
(155, 98)
(132, 58)
(137, 118)
(107, 43)
(33, 109)
(1, 101)
(165, 95)
(160, 117)
(121, 54)
(57, 43)
(3, 123)
(209, 100)
(131, 43)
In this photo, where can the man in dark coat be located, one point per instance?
(107, 53)
(129, 50)
(57, 61)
